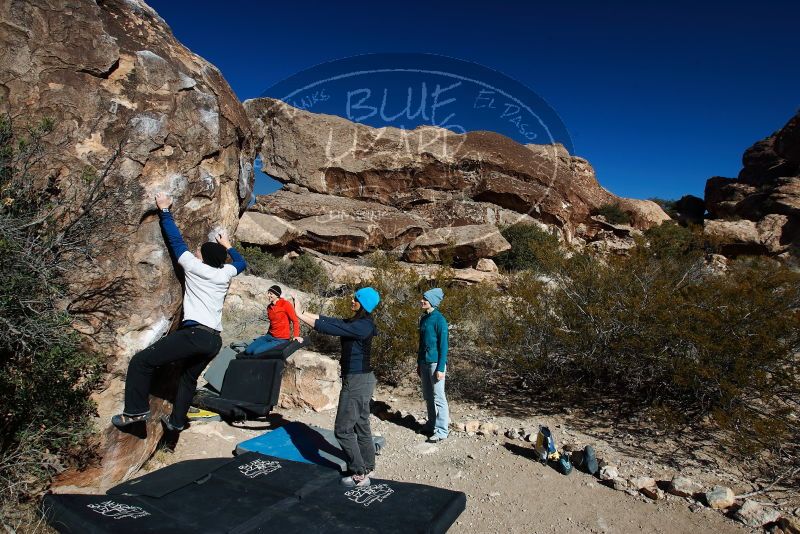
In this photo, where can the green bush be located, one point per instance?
(301, 273)
(670, 240)
(531, 248)
(613, 214)
(46, 378)
(261, 263)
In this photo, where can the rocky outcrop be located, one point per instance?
(766, 193)
(436, 178)
(462, 243)
(266, 230)
(134, 107)
(346, 270)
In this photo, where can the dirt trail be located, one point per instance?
(507, 491)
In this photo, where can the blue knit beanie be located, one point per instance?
(434, 296)
(368, 298)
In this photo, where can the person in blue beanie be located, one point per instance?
(352, 429)
(432, 364)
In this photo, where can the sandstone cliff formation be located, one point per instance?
(351, 188)
(134, 106)
(759, 211)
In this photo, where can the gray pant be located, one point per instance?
(352, 422)
(436, 401)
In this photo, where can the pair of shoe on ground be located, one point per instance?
(122, 421)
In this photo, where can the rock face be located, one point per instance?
(353, 188)
(310, 380)
(134, 106)
(766, 192)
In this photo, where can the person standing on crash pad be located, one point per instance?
(197, 341)
(432, 364)
(352, 429)
(280, 313)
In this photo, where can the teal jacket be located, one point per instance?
(433, 339)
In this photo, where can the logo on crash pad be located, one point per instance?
(118, 510)
(369, 494)
(259, 467)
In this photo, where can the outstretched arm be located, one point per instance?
(175, 242)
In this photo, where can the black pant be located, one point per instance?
(194, 346)
(352, 428)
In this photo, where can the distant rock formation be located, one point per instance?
(351, 188)
(759, 211)
(126, 96)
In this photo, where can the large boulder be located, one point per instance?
(330, 155)
(464, 244)
(134, 107)
(266, 230)
(310, 380)
(767, 186)
(339, 225)
(346, 270)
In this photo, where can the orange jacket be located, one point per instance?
(279, 315)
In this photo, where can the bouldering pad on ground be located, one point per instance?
(254, 493)
(301, 443)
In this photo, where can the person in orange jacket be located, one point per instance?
(280, 313)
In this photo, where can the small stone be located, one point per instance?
(754, 515)
(460, 427)
(486, 429)
(694, 507)
(642, 482)
(719, 497)
(651, 492)
(486, 265)
(619, 484)
(608, 472)
(494, 494)
(530, 438)
(511, 433)
(683, 487)
(472, 426)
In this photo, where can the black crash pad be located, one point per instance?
(251, 389)
(254, 493)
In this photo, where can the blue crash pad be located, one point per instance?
(301, 443)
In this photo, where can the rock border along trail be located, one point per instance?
(507, 490)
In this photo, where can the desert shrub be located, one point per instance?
(613, 214)
(531, 248)
(45, 375)
(656, 330)
(672, 240)
(261, 263)
(301, 273)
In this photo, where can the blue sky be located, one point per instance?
(658, 96)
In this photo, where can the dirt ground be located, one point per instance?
(507, 490)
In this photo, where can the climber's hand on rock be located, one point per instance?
(163, 200)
